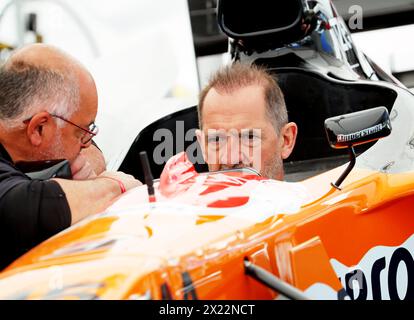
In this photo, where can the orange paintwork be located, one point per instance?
(141, 250)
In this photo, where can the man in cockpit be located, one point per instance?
(244, 123)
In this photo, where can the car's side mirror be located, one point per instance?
(349, 130)
(358, 128)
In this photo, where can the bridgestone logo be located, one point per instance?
(362, 133)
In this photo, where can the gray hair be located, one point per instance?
(26, 89)
(239, 75)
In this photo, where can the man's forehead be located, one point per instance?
(88, 106)
(233, 132)
(88, 103)
(255, 91)
(239, 109)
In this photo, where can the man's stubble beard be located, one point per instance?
(55, 151)
(273, 169)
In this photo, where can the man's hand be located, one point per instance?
(95, 158)
(81, 168)
(88, 164)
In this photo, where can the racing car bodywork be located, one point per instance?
(192, 242)
(354, 240)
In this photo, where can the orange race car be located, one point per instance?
(334, 230)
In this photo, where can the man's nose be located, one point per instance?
(232, 154)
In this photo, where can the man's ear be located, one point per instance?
(39, 128)
(288, 136)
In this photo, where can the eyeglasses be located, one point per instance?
(88, 134)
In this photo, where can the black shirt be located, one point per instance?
(30, 210)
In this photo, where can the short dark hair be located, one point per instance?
(22, 85)
(239, 75)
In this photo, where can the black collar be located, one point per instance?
(4, 154)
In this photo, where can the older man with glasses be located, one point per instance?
(48, 105)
